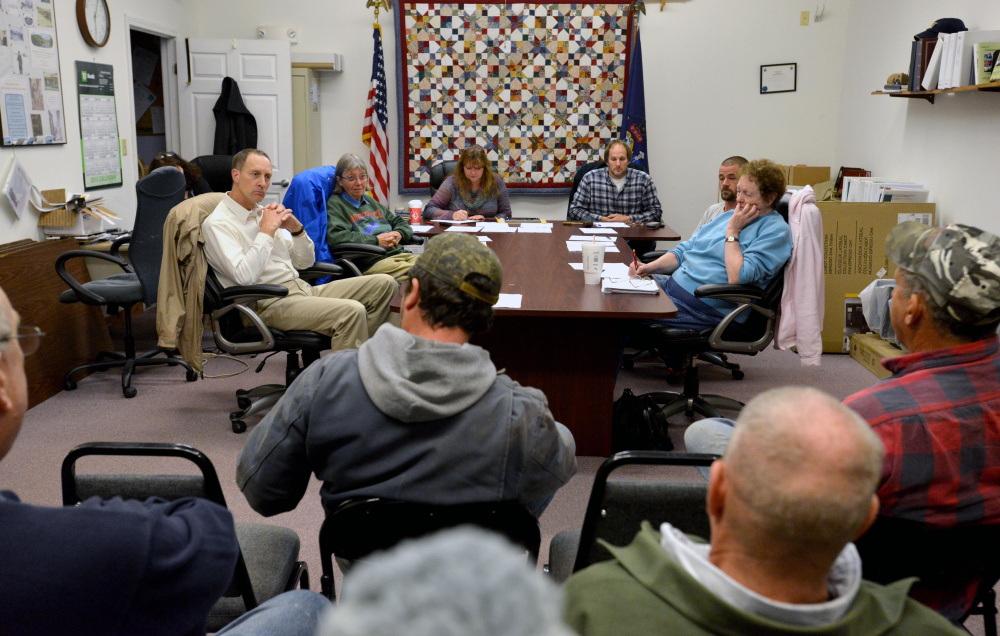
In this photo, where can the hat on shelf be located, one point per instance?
(941, 25)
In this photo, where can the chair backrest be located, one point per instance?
(156, 194)
(946, 560)
(616, 508)
(77, 488)
(441, 171)
(360, 527)
(217, 170)
(306, 197)
(588, 167)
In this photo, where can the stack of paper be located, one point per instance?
(498, 228)
(462, 228)
(595, 239)
(629, 286)
(577, 246)
(881, 190)
(541, 228)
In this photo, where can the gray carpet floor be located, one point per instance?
(169, 409)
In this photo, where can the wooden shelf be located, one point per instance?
(992, 87)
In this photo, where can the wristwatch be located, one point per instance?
(732, 239)
(299, 233)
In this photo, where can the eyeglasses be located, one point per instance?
(30, 337)
(165, 154)
(354, 179)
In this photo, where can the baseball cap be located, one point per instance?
(452, 257)
(942, 25)
(959, 266)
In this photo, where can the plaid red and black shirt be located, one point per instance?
(938, 416)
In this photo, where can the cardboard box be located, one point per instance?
(869, 349)
(854, 255)
(802, 175)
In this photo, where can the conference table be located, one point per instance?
(562, 339)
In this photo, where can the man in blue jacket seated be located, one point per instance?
(795, 487)
(109, 567)
(745, 246)
(417, 413)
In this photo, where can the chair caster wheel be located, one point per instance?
(738, 375)
(239, 426)
(129, 392)
(69, 385)
(191, 376)
(243, 403)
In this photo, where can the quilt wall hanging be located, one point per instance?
(540, 86)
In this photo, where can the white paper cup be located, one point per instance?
(593, 262)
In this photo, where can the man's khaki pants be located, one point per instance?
(349, 310)
(396, 266)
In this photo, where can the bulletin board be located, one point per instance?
(540, 86)
(31, 101)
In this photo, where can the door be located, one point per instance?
(263, 71)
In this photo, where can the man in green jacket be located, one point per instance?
(354, 217)
(795, 487)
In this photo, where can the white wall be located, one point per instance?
(61, 166)
(701, 61)
(951, 145)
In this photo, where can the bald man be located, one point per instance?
(784, 502)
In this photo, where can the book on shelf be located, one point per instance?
(967, 71)
(914, 65)
(958, 43)
(985, 57)
(995, 75)
(929, 78)
(945, 43)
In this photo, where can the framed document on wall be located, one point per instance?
(778, 78)
(31, 103)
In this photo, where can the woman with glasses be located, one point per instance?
(196, 184)
(353, 216)
(471, 192)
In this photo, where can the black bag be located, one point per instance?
(637, 423)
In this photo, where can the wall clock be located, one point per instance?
(94, 20)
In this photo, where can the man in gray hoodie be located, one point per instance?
(417, 413)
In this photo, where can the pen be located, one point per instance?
(635, 262)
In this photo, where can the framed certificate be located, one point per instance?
(777, 78)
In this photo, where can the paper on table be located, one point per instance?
(613, 270)
(598, 230)
(577, 246)
(461, 228)
(484, 239)
(499, 228)
(541, 228)
(628, 285)
(508, 301)
(421, 228)
(611, 224)
(450, 222)
(599, 239)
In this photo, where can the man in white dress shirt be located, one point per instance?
(247, 244)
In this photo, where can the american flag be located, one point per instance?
(376, 120)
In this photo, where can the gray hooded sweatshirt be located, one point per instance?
(407, 418)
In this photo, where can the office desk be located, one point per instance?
(562, 339)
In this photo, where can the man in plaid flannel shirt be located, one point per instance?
(616, 193)
(939, 414)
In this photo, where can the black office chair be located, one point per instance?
(617, 508)
(156, 194)
(359, 527)
(217, 170)
(268, 562)
(944, 559)
(441, 171)
(712, 345)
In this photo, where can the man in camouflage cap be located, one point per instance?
(939, 414)
(417, 413)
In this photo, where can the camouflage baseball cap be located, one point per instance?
(452, 257)
(958, 264)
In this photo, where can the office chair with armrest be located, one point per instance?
(616, 509)
(268, 562)
(359, 527)
(749, 338)
(306, 196)
(228, 306)
(217, 170)
(946, 560)
(156, 194)
(439, 172)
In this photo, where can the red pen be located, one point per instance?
(635, 263)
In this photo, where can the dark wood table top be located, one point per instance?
(537, 267)
(637, 232)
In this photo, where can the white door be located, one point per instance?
(263, 71)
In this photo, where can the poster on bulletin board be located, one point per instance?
(102, 160)
(31, 103)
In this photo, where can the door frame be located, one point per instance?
(168, 65)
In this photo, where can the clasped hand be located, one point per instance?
(277, 216)
(389, 240)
